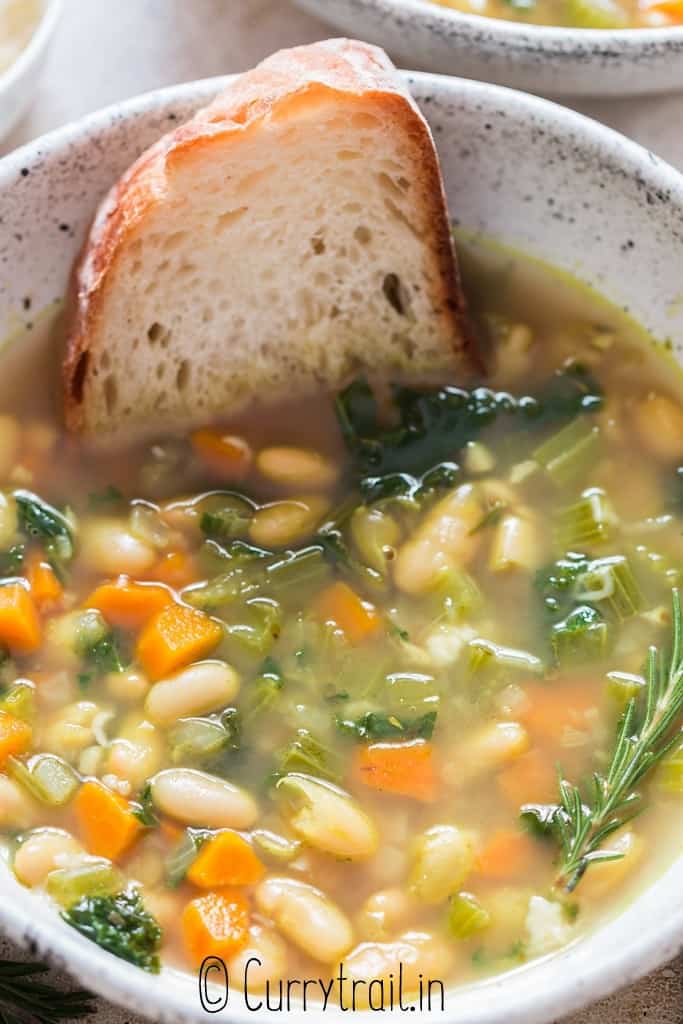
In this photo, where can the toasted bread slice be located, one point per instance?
(291, 233)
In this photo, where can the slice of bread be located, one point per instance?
(290, 234)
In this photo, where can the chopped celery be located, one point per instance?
(20, 700)
(484, 654)
(147, 525)
(225, 516)
(261, 628)
(375, 534)
(306, 755)
(375, 725)
(183, 855)
(568, 454)
(221, 590)
(298, 569)
(274, 846)
(457, 594)
(670, 772)
(46, 777)
(582, 636)
(590, 521)
(466, 916)
(594, 14)
(197, 740)
(410, 692)
(264, 690)
(90, 628)
(92, 877)
(39, 519)
(623, 687)
(610, 582)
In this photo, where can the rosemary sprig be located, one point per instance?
(25, 1000)
(645, 734)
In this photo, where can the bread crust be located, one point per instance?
(290, 80)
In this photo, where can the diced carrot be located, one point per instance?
(175, 568)
(174, 637)
(227, 859)
(19, 623)
(15, 736)
(105, 820)
(507, 854)
(225, 455)
(128, 604)
(340, 604)
(406, 769)
(530, 778)
(46, 590)
(673, 9)
(216, 924)
(554, 707)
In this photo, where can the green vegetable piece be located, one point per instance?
(307, 756)
(197, 740)
(590, 521)
(466, 916)
(225, 515)
(12, 560)
(264, 690)
(568, 454)
(46, 777)
(183, 855)
(623, 687)
(375, 534)
(261, 627)
(97, 645)
(485, 655)
(304, 568)
(610, 583)
(275, 847)
(221, 590)
(375, 725)
(457, 595)
(144, 810)
(40, 520)
(94, 877)
(594, 14)
(583, 636)
(120, 924)
(556, 582)
(20, 701)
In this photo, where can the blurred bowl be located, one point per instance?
(19, 83)
(542, 59)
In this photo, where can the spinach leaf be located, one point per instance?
(375, 725)
(40, 520)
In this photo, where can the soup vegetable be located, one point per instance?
(303, 687)
(577, 13)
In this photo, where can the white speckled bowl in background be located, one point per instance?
(18, 84)
(533, 175)
(541, 59)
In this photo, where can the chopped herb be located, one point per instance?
(307, 755)
(121, 925)
(183, 855)
(144, 810)
(376, 725)
(40, 520)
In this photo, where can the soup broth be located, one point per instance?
(603, 14)
(300, 686)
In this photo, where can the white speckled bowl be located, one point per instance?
(541, 59)
(522, 170)
(19, 82)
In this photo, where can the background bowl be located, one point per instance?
(538, 58)
(533, 175)
(18, 84)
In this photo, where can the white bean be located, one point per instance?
(136, 753)
(287, 522)
(42, 852)
(328, 818)
(414, 954)
(487, 750)
(266, 946)
(297, 467)
(197, 798)
(17, 809)
(443, 858)
(129, 686)
(108, 547)
(204, 686)
(10, 438)
(443, 541)
(658, 421)
(385, 911)
(306, 917)
(72, 730)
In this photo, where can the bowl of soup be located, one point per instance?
(26, 30)
(551, 47)
(318, 693)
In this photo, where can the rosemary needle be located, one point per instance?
(645, 734)
(25, 1000)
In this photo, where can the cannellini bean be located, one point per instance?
(658, 422)
(8, 519)
(10, 438)
(515, 545)
(606, 875)
(204, 686)
(197, 798)
(108, 547)
(508, 908)
(163, 905)
(17, 809)
(136, 753)
(443, 858)
(328, 818)
(266, 946)
(91, 761)
(129, 686)
(415, 954)
(287, 522)
(68, 635)
(42, 852)
(443, 541)
(384, 912)
(297, 467)
(306, 917)
(376, 534)
(487, 750)
(72, 730)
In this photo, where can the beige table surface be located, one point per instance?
(107, 50)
